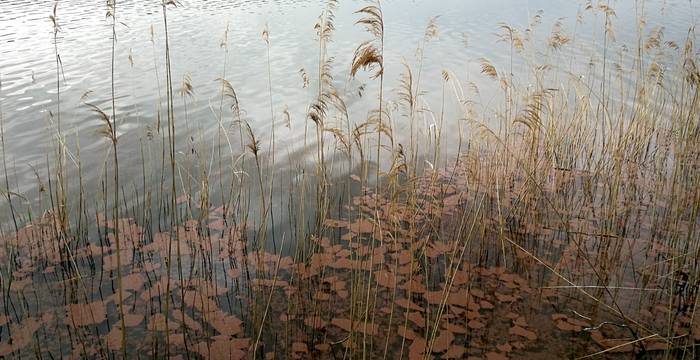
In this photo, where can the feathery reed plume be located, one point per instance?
(106, 130)
(488, 69)
(367, 56)
(370, 55)
(510, 35)
(186, 88)
(557, 39)
(304, 78)
(531, 115)
(287, 117)
(230, 93)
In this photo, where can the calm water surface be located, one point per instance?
(197, 28)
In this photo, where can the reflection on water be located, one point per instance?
(28, 68)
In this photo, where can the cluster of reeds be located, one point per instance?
(567, 212)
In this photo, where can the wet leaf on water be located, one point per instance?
(404, 257)
(556, 317)
(133, 282)
(406, 332)
(181, 199)
(132, 320)
(506, 348)
(520, 321)
(109, 262)
(410, 305)
(416, 286)
(577, 322)
(433, 297)
(344, 324)
(360, 326)
(612, 345)
(315, 322)
(277, 283)
(19, 285)
(176, 341)
(344, 253)
(520, 331)
(323, 347)
(477, 293)
(22, 336)
(361, 226)
(200, 302)
(210, 289)
(114, 338)
(217, 225)
(322, 296)
(486, 305)
(462, 299)
(189, 322)
(440, 248)
(518, 345)
(471, 315)
(335, 223)
(566, 326)
(418, 346)
(454, 328)
(417, 319)
(234, 273)
(443, 341)
(495, 356)
(299, 347)
(86, 314)
(511, 315)
(476, 324)
(150, 267)
(157, 322)
(505, 298)
(549, 293)
(225, 324)
(454, 352)
(224, 349)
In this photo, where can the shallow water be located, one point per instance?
(386, 256)
(28, 67)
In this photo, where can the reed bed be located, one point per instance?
(563, 224)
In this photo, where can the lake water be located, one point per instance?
(197, 28)
(431, 249)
